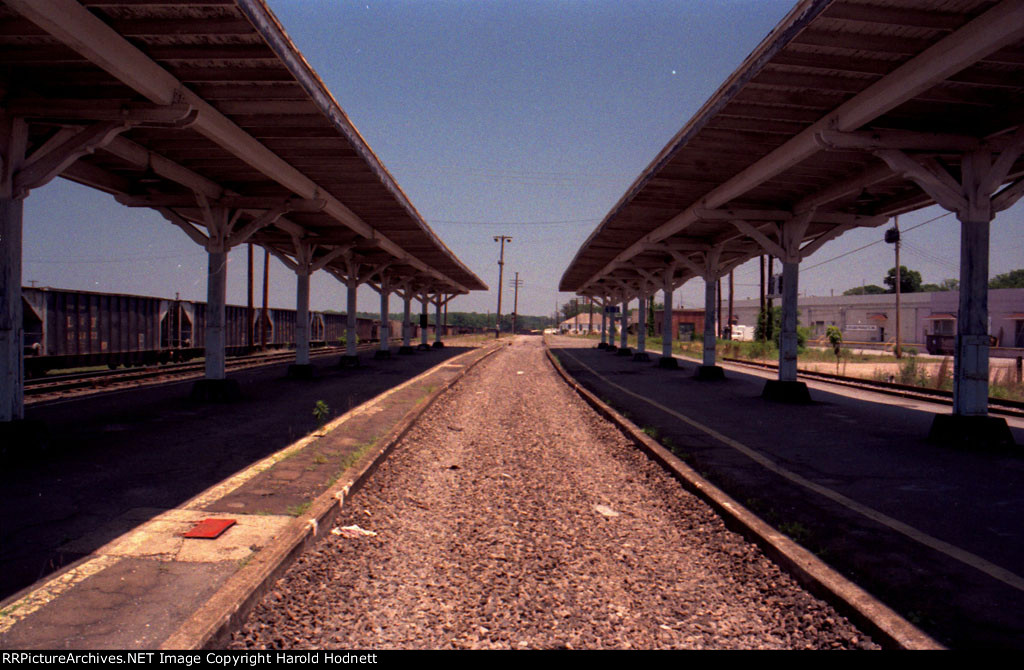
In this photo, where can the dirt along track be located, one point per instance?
(513, 516)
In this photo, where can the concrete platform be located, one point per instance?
(92, 553)
(932, 531)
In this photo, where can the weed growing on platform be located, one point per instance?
(651, 432)
(321, 412)
(299, 510)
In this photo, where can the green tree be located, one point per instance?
(835, 338)
(651, 307)
(910, 280)
(1012, 279)
(946, 285)
(870, 289)
(766, 327)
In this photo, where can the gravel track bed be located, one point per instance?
(513, 516)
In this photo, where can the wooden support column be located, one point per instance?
(667, 359)
(624, 328)
(788, 341)
(304, 263)
(439, 302)
(970, 365)
(975, 193)
(604, 321)
(641, 327)
(302, 317)
(424, 301)
(351, 321)
(407, 294)
(641, 330)
(22, 171)
(710, 341)
(12, 371)
(384, 347)
(216, 300)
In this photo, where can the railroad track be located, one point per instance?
(58, 385)
(940, 396)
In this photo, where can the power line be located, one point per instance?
(811, 267)
(564, 222)
(98, 261)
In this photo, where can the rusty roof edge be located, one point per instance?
(270, 28)
(780, 36)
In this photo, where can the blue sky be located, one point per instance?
(522, 118)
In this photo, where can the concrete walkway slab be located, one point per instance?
(932, 531)
(135, 582)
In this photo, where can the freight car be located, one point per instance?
(67, 329)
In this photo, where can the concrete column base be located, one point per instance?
(300, 371)
(668, 362)
(612, 348)
(407, 350)
(439, 345)
(624, 351)
(641, 356)
(216, 390)
(349, 362)
(709, 373)
(793, 393)
(971, 432)
(602, 345)
(423, 347)
(21, 439)
(381, 354)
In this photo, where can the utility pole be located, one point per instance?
(248, 311)
(732, 290)
(515, 304)
(501, 269)
(761, 313)
(266, 287)
(892, 236)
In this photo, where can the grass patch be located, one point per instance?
(299, 510)
(796, 530)
(351, 459)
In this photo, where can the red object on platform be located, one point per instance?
(210, 529)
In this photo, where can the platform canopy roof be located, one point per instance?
(833, 122)
(200, 107)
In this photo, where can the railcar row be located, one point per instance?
(68, 329)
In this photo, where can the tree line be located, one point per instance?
(910, 282)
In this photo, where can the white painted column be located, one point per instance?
(407, 320)
(666, 321)
(302, 317)
(604, 322)
(385, 326)
(710, 302)
(350, 319)
(641, 329)
(624, 329)
(216, 298)
(423, 321)
(970, 365)
(787, 336)
(12, 370)
(437, 322)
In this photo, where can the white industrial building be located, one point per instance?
(872, 318)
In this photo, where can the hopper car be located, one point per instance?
(69, 329)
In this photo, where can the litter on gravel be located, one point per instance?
(352, 532)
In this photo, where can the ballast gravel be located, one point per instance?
(513, 516)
